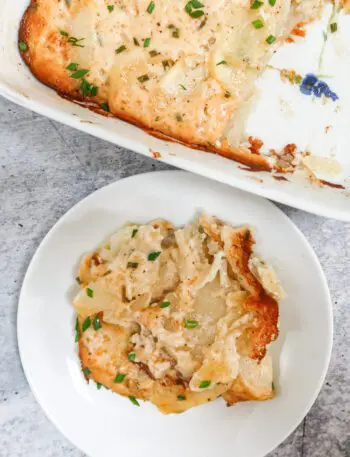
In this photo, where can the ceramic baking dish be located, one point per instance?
(282, 114)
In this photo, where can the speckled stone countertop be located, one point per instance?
(45, 168)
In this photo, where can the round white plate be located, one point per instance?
(103, 424)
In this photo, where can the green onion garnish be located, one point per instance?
(132, 265)
(23, 46)
(147, 42)
(151, 7)
(86, 371)
(256, 4)
(79, 74)
(63, 33)
(258, 24)
(196, 14)
(89, 292)
(119, 378)
(270, 39)
(136, 42)
(77, 330)
(222, 62)
(75, 41)
(204, 384)
(181, 397)
(176, 33)
(153, 255)
(72, 66)
(165, 304)
(333, 27)
(110, 8)
(96, 323)
(98, 385)
(272, 2)
(131, 356)
(191, 324)
(105, 107)
(182, 86)
(134, 233)
(86, 324)
(120, 49)
(133, 400)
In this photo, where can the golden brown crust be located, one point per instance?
(47, 56)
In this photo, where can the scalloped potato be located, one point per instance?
(180, 316)
(182, 70)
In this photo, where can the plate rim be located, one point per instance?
(56, 225)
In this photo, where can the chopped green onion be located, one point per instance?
(133, 400)
(270, 39)
(110, 8)
(86, 324)
(181, 397)
(256, 4)
(98, 385)
(258, 24)
(196, 4)
(204, 384)
(151, 7)
(23, 46)
(132, 265)
(134, 233)
(63, 33)
(119, 378)
(222, 62)
(333, 27)
(96, 323)
(89, 292)
(131, 356)
(191, 324)
(105, 107)
(87, 89)
(79, 74)
(273, 386)
(272, 2)
(136, 42)
(86, 371)
(196, 14)
(72, 66)
(77, 330)
(120, 49)
(76, 41)
(165, 304)
(143, 78)
(147, 42)
(153, 255)
(182, 86)
(176, 33)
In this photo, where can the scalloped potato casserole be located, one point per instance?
(182, 70)
(178, 317)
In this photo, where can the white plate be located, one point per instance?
(282, 115)
(103, 424)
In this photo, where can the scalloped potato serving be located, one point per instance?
(182, 70)
(178, 317)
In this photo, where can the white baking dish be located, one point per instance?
(282, 115)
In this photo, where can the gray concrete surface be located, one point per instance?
(45, 168)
